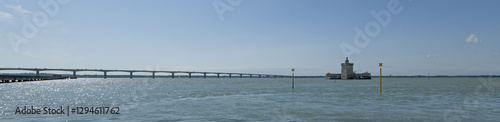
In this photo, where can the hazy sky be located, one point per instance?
(443, 37)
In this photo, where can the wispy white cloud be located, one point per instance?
(4, 15)
(472, 39)
(428, 56)
(18, 8)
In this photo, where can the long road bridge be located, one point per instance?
(153, 72)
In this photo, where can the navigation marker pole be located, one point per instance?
(293, 72)
(380, 65)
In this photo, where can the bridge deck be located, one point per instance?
(153, 72)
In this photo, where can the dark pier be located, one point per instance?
(20, 78)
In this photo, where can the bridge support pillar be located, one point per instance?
(230, 75)
(172, 75)
(74, 74)
(259, 76)
(105, 75)
(131, 73)
(241, 75)
(218, 75)
(37, 73)
(204, 75)
(189, 75)
(250, 76)
(153, 74)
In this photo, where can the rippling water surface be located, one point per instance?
(260, 99)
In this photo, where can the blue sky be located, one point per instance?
(446, 37)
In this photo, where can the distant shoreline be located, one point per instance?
(444, 76)
(183, 76)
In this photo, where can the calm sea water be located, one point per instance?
(260, 99)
